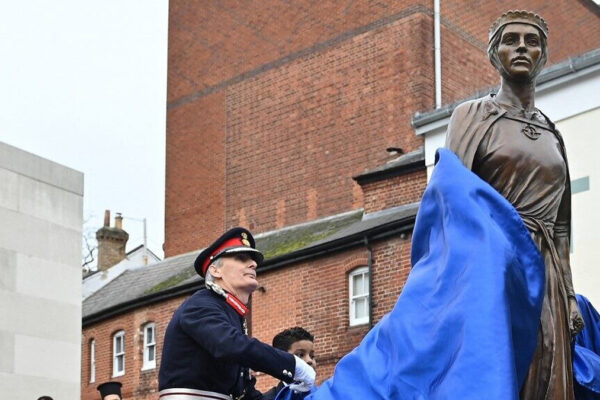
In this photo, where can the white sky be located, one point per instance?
(83, 83)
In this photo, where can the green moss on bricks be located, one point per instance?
(295, 239)
(172, 281)
(294, 244)
(277, 244)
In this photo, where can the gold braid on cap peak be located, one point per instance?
(519, 17)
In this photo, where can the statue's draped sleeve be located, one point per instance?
(469, 123)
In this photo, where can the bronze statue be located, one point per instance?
(514, 147)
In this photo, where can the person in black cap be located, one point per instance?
(207, 353)
(110, 390)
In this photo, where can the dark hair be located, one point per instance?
(45, 398)
(284, 340)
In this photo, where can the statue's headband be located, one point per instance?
(518, 17)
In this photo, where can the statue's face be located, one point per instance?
(519, 51)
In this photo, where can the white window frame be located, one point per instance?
(117, 353)
(92, 360)
(149, 344)
(362, 271)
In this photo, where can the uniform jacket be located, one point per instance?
(205, 348)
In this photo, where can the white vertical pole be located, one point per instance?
(438, 53)
(145, 244)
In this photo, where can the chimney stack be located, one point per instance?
(111, 242)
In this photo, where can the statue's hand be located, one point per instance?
(575, 320)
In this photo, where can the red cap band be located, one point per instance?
(233, 242)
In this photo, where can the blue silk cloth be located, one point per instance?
(465, 325)
(586, 357)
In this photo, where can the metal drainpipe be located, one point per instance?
(437, 43)
(370, 270)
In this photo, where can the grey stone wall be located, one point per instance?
(41, 207)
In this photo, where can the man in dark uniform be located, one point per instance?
(206, 352)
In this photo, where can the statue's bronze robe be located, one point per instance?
(523, 157)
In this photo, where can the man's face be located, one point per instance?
(304, 349)
(237, 274)
(519, 50)
(112, 397)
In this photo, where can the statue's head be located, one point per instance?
(517, 45)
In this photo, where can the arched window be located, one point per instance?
(149, 346)
(119, 353)
(359, 296)
(92, 361)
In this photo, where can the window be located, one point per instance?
(149, 346)
(92, 361)
(359, 296)
(119, 353)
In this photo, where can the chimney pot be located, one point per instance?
(107, 218)
(119, 221)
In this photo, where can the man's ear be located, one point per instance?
(215, 272)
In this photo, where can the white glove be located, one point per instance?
(304, 374)
(300, 387)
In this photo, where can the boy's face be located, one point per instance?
(304, 349)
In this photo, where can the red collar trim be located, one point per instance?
(237, 305)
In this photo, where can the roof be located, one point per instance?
(139, 282)
(550, 76)
(98, 279)
(175, 276)
(404, 164)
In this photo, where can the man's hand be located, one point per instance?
(304, 374)
(300, 387)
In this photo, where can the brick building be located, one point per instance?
(279, 115)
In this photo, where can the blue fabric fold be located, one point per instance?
(586, 355)
(465, 325)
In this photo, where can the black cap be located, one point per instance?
(236, 240)
(107, 388)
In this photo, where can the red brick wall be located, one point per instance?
(312, 294)
(274, 106)
(195, 174)
(137, 384)
(308, 126)
(403, 189)
(212, 42)
(296, 133)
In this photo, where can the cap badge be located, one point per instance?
(246, 242)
